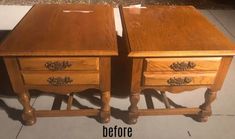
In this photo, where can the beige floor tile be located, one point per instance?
(10, 113)
(226, 19)
(61, 128)
(215, 128)
(162, 127)
(216, 21)
(9, 126)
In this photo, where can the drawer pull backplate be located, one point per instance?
(57, 65)
(182, 66)
(59, 81)
(179, 81)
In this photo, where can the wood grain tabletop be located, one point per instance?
(172, 31)
(63, 30)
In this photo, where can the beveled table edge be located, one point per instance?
(181, 53)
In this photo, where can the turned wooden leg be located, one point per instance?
(28, 114)
(133, 109)
(105, 108)
(206, 106)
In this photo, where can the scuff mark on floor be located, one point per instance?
(189, 134)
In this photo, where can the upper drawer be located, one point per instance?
(182, 64)
(60, 63)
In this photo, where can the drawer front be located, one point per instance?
(60, 78)
(59, 63)
(178, 79)
(183, 64)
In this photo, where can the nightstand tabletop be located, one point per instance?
(63, 30)
(162, 31)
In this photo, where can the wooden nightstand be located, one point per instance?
(175, 49)
(62, 49)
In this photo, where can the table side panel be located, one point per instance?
(14, 74)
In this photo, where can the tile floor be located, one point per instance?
(220, 125)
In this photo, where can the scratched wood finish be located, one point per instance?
(62, 89)
(223, 69)
(163, 35)
(161, 78)
(160, 64)
(137, 68)
(173, 31)
(105, 87)
(63, 30)
(178, 111)
(40, 78)
(77, 41)
(17, 83)
(177, 89)
(76, 63)
(59, 113)
(14, 74)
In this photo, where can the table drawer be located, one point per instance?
(175, 79)
(60, 63)
(60, 78)
(183, 64)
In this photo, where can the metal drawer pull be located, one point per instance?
(59, 81)
(182, 66)
(179, 81)
(57, 65)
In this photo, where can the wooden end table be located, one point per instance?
(175, 49)
(62, 49)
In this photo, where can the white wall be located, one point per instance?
(11, 15)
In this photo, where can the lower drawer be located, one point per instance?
(60, 78)
(176, 79)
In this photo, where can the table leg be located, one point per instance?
(137, 65)
(105, 108)
(133, 109)
(206, 111)
(28, 114)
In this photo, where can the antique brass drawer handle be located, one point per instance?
(182, 66)
(179, 81)
(57, 65)
(59, 81)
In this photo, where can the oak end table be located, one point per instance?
(174, 49)
(62, 49)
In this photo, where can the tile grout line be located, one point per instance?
(22, 124)
(35, 100)
(19, 131)
(227, 115)
(216, 18)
